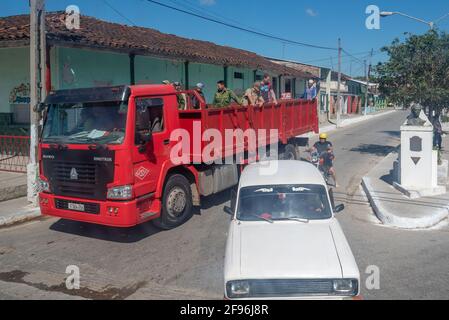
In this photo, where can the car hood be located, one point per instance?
(287, 249)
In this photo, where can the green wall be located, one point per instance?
(81, 68)
(150, 70)
(14, 70)
(207, 74)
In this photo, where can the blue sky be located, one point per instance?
(318, 22)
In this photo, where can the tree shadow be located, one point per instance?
(375, 149)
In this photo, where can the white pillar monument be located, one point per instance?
(418, 162)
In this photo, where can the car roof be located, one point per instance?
(287, 172)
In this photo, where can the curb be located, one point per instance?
(20, 217)
(389, 218)
(11, 193)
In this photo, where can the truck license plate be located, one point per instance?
(76, 206)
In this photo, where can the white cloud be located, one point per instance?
(208, 2)
(311, 12)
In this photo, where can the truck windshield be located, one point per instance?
(283, 202)
(80, 123)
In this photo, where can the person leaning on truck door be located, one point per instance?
(223, 97)
(253, 96)
(267, 91)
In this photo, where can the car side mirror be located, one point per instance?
(339, 208)
(228, 210)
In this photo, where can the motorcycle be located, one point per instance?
(318, 161)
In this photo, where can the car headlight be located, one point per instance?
(237, 289)
(43, 186)
(120, 193)
(345, 287)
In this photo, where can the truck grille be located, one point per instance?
(83, 186)
(93, 208)
(77, 173)
(85, 172)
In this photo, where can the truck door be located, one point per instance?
(150, 121)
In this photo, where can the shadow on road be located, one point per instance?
(376, 149)
(132, 234)
(114, 234)
(391, 133)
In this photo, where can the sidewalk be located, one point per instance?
(348, 120)
(14, 185)
(17, 210)
(395, 209)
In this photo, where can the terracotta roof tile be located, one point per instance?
(113, 36)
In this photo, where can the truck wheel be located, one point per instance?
(289, 152)
(176, 203)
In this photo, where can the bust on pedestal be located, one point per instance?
(418, 162)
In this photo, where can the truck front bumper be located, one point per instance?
(109, 213)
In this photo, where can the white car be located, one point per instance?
(284, 241)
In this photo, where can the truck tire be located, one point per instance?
(289, 152)
(176, 203)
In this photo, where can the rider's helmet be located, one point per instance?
(323, 136)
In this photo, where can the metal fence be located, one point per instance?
(14, 153)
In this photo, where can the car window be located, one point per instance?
(282, 202)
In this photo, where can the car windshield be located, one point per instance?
(283, 202)
(81, 123)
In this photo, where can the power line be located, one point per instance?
(241, 28)
(119, 13)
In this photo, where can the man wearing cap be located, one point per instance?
(253, 96)
(310, 92)
(223, 97)
(199, 89)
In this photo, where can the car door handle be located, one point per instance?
(166, 141)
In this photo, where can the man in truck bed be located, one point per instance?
(223, 97)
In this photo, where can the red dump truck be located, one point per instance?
(106, 154)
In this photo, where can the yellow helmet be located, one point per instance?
(323, 136)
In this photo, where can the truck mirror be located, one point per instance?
(144, 138)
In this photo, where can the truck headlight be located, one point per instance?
(237, 289)
(345, 287)
(43, 186)
(120, 193)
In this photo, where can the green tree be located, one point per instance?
(417, 70)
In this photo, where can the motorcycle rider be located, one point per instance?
(324, 149)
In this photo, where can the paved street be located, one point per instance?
(187, 262)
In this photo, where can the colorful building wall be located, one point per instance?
(14, 75)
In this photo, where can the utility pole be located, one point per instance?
(339, 84)
(37, 89)
(367, 75)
